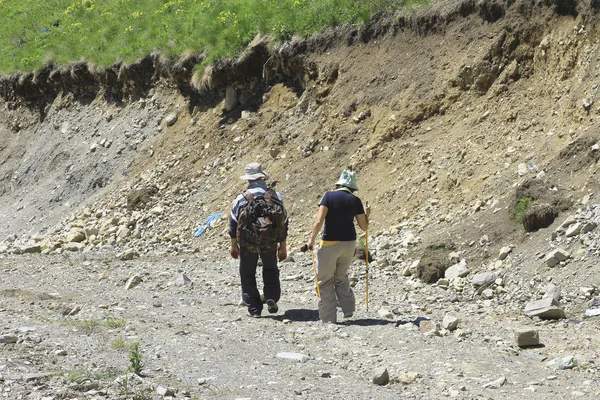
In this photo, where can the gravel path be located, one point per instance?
(195, 340)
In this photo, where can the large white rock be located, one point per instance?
(458, 270)
(76, 235)
(546, 308)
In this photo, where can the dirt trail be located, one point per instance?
(198, 341)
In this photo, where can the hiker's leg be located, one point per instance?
(343, 291)
(326, 260)
(272, 286)
(250, 294)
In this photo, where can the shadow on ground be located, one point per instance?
(305, 315)
(368, 322)
(298, 315)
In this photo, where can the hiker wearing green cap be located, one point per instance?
(337, 211)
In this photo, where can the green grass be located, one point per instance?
(119, 344)
(89, 325)
(115, 322)
(102, 32)
(78, 376)
(522, 206)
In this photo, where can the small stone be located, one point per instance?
(450, 323)
(408, 378)
(274, 152)
(556, 256)
(133, 282)
(293, 356)
(171, 119)
(158, 210)
(8, 339)
(385, 313)
(129, 254)
(566, 223)
(504, 252)
(31, 248)
(527, 337)
(495, 384)
(183, 280)
(483, 280)
(380, 376)
(588, 227)
(563, 363)
(73, 246)
(428, 326)
(593, 312)
(166, 392)
(71, 311)
(573, 230)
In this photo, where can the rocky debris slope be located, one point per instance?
(486, 97)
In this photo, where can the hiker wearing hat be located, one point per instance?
(258, 228)
(337, 210)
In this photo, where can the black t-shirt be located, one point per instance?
(342, 207)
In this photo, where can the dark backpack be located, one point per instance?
(261, 222)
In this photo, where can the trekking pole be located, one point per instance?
(312, 256)
(367, 264)
(367, 261)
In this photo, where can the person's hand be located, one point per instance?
(282, 253)
(235, 252)
(307, 246)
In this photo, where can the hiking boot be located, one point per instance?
(253, 315)
(272, 306)
(348, 314)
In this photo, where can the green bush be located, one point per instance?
(135, 359)
(522, 205)
(102, 32)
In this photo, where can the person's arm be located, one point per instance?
(319, 220)
(235, 249)
(363, 219)
(282, 251)
(233, 223)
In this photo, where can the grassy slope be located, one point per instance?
(102, 32)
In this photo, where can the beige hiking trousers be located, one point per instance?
(333, 262)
